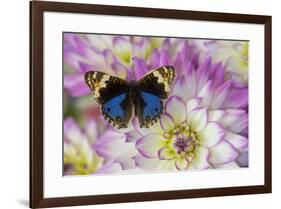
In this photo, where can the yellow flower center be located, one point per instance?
(181, 141)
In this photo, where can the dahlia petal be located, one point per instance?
(122, 48)
(201, 156)
(206, 93)
(92, 131)
(235, 120)
(211, 135)
(154, 59)
(72, 132)
(203, 73)
(166, 165)
(85, 150)
(76, 85)
(132, 136)
(150, 144)
(121, 44)
(140, 67)
(139, 50)
(240, 126)
(85, 66)
(220, 94)
(232, 116)
(111, 144)
(166, 154)
(156, 128)
(166, 122)
(243, 160)
(238, 141)
(180, 88)
(191, 83)
(136, 125)
(181, 163)
(149, 164)
(74, 60)
(119, 70)
(166, 44)
(110, 168)
(109, 57)
(175, 107)
(197, 119)
(215, 115)
(222, 153)
(236, 98)
(126, 158)
(230, 165)
(78, 43)
(192, 104)
(218, 74)
(165, 58)
(98, 42)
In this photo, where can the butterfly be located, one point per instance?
(120, 98)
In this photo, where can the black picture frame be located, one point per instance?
(37, 9)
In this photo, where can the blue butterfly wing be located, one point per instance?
(118, 110)
(112, 94)
(148, 108)
(152, 89)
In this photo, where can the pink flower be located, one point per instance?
(189, 136)
(80, 155)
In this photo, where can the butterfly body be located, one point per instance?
(119, 99)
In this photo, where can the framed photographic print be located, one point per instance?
(139, 104)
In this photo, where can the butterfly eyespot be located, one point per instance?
(147, 118)
(108, 109)
(156, 109)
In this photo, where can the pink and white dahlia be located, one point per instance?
(204, 125)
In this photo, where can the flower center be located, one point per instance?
(181, 142)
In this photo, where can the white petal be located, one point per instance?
(192, 104)
(231, 116)
(215, 115)
(180, 88)
(222, 153)
(175, 107)
(220, 94)
(181, 163)
(192, 84)
(150, 145)
(149, 164)
(166, 153)
(212, 134)
(166, 165)
(92, 131)
(230, 165)
(201, 156)
(166, 122)
(238, 141)
(126, 158)
(235, 120)
(206, 93)
(197, 119)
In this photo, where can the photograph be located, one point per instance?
(142, 104)
(124, 109)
